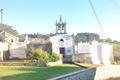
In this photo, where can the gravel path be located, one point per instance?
(108, 72)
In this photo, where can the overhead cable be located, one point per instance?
(99, 23)
(114, 4)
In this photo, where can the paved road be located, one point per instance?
(107, 72)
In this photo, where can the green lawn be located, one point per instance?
(35, 73)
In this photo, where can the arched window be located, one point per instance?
(61, 40)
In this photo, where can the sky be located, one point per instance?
(39, 16)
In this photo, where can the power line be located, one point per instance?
(99, 23)
(114, 4)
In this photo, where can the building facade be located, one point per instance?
(10, 47)
(62, 43)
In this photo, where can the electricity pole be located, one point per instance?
(1, 11)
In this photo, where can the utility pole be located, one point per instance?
(1, 11)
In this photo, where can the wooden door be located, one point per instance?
(62, 51)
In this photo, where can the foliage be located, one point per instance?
(116, 52)
(37, 35)
(8, 29)
(108, 40)
(40, 55)
(54, 57)
(89, 37)
(116, 47)
(48, 47)
(86, 37)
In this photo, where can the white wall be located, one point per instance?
(3, 47)
(95, 52)
(83, 48)
(100, 53)
(106, 53)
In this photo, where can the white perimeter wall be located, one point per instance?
(100, 53)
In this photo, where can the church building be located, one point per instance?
(62, 43)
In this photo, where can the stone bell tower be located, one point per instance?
(61, 27)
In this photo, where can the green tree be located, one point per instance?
(86, 37)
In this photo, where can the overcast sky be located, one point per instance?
(32, 16)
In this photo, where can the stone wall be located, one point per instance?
(83, 57)
(17, 50)
(87, 74)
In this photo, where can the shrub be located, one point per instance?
(54, 57)
(40, 55)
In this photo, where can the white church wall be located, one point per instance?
(67, 43)
(69, 47)
(55, 44)
(69, 50)
(55, 50)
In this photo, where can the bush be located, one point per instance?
(54, 57)
(40, 55)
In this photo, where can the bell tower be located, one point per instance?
(61, 27)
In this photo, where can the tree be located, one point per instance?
(86, 37)
(38, 35)
(108, 40)
(9, 29)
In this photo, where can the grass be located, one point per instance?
(35, 73)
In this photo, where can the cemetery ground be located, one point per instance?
(35, 73)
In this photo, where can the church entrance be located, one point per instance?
(62, 51)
